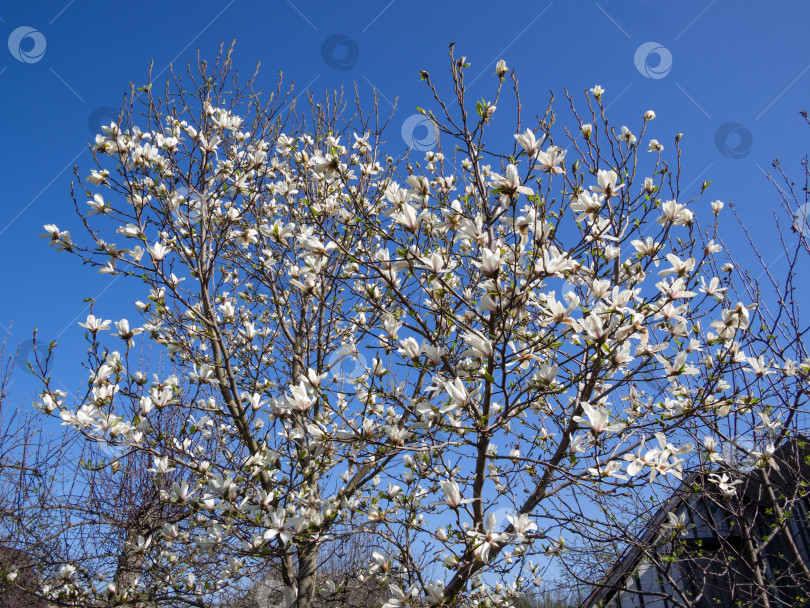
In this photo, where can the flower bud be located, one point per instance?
(586, 129)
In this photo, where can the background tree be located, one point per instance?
(529, 331)
(29, 458)
(68, 505)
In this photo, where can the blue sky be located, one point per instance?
(731, 75)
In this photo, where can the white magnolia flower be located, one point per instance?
(598, 418)
(435, 592)
(401, 599)
(379, 563)
(67, 571)
(710, 445)
(94, 324)
(550, 159)
(627, 136)
(298, 398)
(488, 539)
(97, 205)
(361, 143)
(452, 495)
(771, 427)
(606, 183)
(724, 484)
(180, 491)
(675, 213)
(457, 391)
(713, 289)
(521, 525)
(528, 141)
(407, 218)
(612, 469)
(409, 348)
(509, 186)
(125, 333)
(281, 527)
(586, 204)
(158, 251)
(490, 262)
(677, 523)
(98, 177)
(480, 347)
(433, 353)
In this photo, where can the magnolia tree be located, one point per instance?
(456, 357)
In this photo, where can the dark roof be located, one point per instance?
(795, 450)
(631, 556)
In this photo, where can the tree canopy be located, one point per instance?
(459, 359)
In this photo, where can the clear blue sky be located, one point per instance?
(699, 65)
